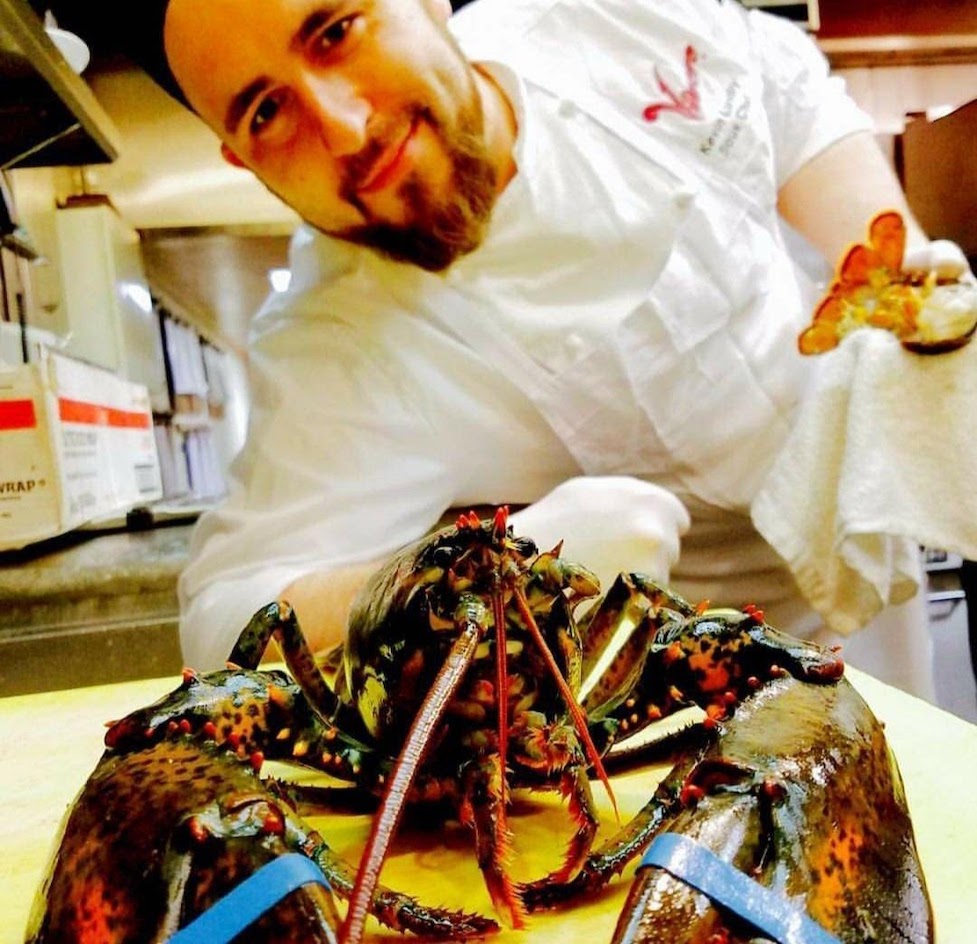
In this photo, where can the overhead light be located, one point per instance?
(280, 279)
(74, 49)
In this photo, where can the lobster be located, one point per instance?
(407, 710)
(870, 289)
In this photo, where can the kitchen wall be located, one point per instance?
(63, 312)
(36, 192)
(900, 56)
(889, 93)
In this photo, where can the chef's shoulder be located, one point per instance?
(481, 24)
(320, 270)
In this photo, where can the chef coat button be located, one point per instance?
(574, 344)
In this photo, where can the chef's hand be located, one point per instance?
(947, 317)
(609, 524)
(941, 256)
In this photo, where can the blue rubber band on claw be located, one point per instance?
(248, 901)
(768, 912)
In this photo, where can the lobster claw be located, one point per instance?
(194, 822)
(253, 898)
(815, 817)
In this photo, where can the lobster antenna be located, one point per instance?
(385, 823)
(579, 722)
(501, 697)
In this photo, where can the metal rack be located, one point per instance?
(806, 14)
(48, 115)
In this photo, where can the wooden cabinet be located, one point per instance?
(873, 33)
(896, 17)
(937, 163)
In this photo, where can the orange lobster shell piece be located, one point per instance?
(869, 289)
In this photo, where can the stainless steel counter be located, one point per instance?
(90, 610)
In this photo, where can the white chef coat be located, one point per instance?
(633, 310)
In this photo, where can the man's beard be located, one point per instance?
(436, 231)
(437, 228)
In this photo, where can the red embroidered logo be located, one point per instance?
(684, 102)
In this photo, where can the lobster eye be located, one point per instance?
(443, 556)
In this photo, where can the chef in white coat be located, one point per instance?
(550, 260)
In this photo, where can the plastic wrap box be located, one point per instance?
(76, 444)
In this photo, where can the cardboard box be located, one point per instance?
(76, 444)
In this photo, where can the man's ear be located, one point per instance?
(230, 156)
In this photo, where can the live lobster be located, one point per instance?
(176, 814)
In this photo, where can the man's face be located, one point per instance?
(363, 115)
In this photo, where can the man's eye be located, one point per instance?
(264, 113)
(334, 33)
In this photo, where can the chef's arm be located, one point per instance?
(322, 601)
(832, 198)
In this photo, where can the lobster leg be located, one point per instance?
(278, 621)
(574, 709)
(713, 660)
(263, 713)
(628, 602)
(394, 909)
(482, 809)
(548, 749)
(576, 787)
(615, 854)
(621, 630)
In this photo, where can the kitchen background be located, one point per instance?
(129, 244)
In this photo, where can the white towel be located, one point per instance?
(883, 459)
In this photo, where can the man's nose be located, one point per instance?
(340, 112)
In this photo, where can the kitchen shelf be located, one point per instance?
(805, 13)
(855, 52)
(48, 114)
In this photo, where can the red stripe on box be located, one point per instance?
(17, 414)
(93, 414)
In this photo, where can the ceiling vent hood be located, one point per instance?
(48, 114)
